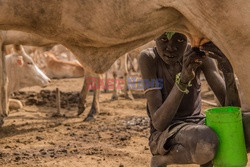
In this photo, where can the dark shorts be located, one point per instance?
(161, 142)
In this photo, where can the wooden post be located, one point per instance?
(4, 84)
(58, 101)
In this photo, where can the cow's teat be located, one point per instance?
(198, 41)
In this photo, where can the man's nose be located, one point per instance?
(171, 48)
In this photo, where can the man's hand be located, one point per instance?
(191, 61)
(214, 52)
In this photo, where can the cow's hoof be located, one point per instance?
(1, 121)
(80, 111)
(89, 118)
(129, 97)
(114, 97)
(105, 90)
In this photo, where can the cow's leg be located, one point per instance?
(3, 85)
(127, 92)
(95, 108)
(106, 90)
(246, 126)
(115, 91)
(82, 97)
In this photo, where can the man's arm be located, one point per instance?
(232, 95)
(161, 112)
(214, 79)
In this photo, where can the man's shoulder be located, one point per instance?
(147, 56)
(148, 52)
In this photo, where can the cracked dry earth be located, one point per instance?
(117, 138)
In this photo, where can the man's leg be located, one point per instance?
(193, 144)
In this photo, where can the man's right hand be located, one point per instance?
(191, 61)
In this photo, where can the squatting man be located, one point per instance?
(177, 131)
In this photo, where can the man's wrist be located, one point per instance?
(180, 85)
(183, 80)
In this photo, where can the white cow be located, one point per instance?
(22, 72)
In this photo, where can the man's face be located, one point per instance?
(171, 49)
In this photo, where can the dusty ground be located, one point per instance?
(117, 138)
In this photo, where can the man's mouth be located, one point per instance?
(171, 56)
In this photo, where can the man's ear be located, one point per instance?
(19, 61)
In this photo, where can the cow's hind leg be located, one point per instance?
(127, 92)
(82, 98)
(1, 121)
(95, 108)
(246, 126)
(115, 91)
(106, 90)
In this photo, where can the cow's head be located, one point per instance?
(30, 74)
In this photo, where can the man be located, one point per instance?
(178, 134)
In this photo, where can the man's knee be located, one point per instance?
(206, 143)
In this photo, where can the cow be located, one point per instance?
(63, 53)
(98, 32)
(55, 68)
(58, 63)
(121, 69)
(16, 37)
(21, 73)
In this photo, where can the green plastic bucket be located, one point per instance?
(227, 124)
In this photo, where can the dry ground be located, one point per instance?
(117, 138)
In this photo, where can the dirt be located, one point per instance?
(118, 137)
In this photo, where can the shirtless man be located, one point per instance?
(178, 134)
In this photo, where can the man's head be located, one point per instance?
(171, 46)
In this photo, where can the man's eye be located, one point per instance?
(164, 39)
(180, 40)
